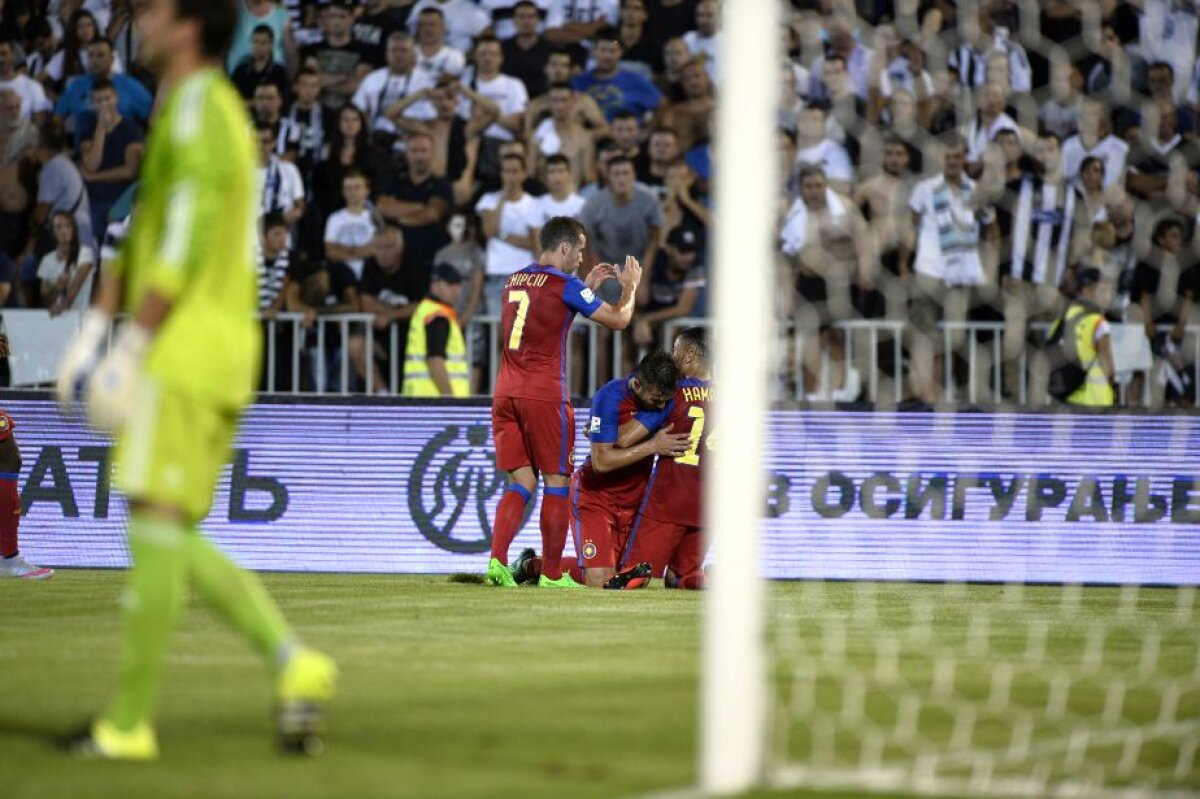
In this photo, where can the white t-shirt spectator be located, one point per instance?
(858, 65)
(33, 96)
(1167, 32)
(561, 12)
(464, 21)
(282, 186)
(446, 61)
(979, 136)
(552, 207)
(61, 188)
(507, 92)
(970, 65)
(517, 219)
(381, 89)
(351, 230)
(704, 48)
(501, 14)
(1110, 150)
(100, 9)
(948, 243)
(52, 267)
(831, 157)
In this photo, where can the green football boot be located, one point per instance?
(498, 574)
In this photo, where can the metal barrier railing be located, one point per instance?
(318, 359)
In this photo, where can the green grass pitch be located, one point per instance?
(447, 690)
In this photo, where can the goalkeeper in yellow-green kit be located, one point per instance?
(173, 384)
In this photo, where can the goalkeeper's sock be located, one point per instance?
(509, 517)
(554, 530)
(153, 602)
(237, 595)
(10, 516)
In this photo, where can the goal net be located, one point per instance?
(975, 690)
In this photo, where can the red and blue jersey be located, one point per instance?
(538, 305)
(613, 406)
(677, 484)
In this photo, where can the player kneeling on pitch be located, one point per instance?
(12, 564)
(624, 429)
(172, 386)
(667, 533)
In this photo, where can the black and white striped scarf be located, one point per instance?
(1042, 230)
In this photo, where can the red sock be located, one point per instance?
(695, 581)
(10, 517)
(577, 573)
(509, 516)
(554, 531)
(534, 567)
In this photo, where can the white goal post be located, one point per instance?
(734, 702)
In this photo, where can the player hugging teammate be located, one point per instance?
(617, 517)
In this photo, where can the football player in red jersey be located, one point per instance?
(606, 490)
(667, 533)
(533, 423)
(12, 564)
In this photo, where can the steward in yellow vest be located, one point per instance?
(435, 363)
(1084, 322)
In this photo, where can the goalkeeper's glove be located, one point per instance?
(81, 359)
(110, 390)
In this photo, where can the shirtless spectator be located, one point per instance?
(561, 134)
(689, 116)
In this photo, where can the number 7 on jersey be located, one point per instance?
(521, 298)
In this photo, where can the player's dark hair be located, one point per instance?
(273, 220)
(697, 339)
(560, 229)
(558, 159)
(263, 29)
(658, 371)
(218, 21)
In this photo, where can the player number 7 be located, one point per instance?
(521, 298)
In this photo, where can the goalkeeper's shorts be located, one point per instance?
(171, 450)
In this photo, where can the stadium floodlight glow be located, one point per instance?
(733, 685)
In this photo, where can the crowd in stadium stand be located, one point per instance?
(945, 162)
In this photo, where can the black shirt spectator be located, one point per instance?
(669, 19)
(379, 21)
(260, 66)
(341, 61)
(525, 54)
(419, 204)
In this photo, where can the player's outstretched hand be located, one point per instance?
(80, 359)
(631, 275)
(671, 444)
(110, 391)
(599, 274)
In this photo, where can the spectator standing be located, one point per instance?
(434, 55)
(282, 186)
(526, 53)
(72, 58)
(466, 255)
(419, 204)
(502, 13)
(662, 149)
(306, 118)
(267, 105)
(613, 88)
(60, 186)
(574, 23)
(1094, 139)
(34, 105)
(459, 20)
(813, 146)
(561, 199)
(624, 218)
(587, 113)
(260, 65)
(683, 206)
(277, 264)
(341, 61)
(702, 41)
(18, 142)
(349, 231)
(670, 19)
(1060, 113)
(676, 288)
(883, 200)
(376, 24)
(988, 122)
(970, 62)
(389, 292)
(394, 91)
(67, 271)
(690, 115)
(1087, 333)
(561, 134)
(855, 56)
(493, 93)
(1158, 149)
(111, 153)
(950, 220)
(75, 104)
(639, 52)
(509, 218)
(255, 14)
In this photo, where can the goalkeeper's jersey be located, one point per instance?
(192, 240)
